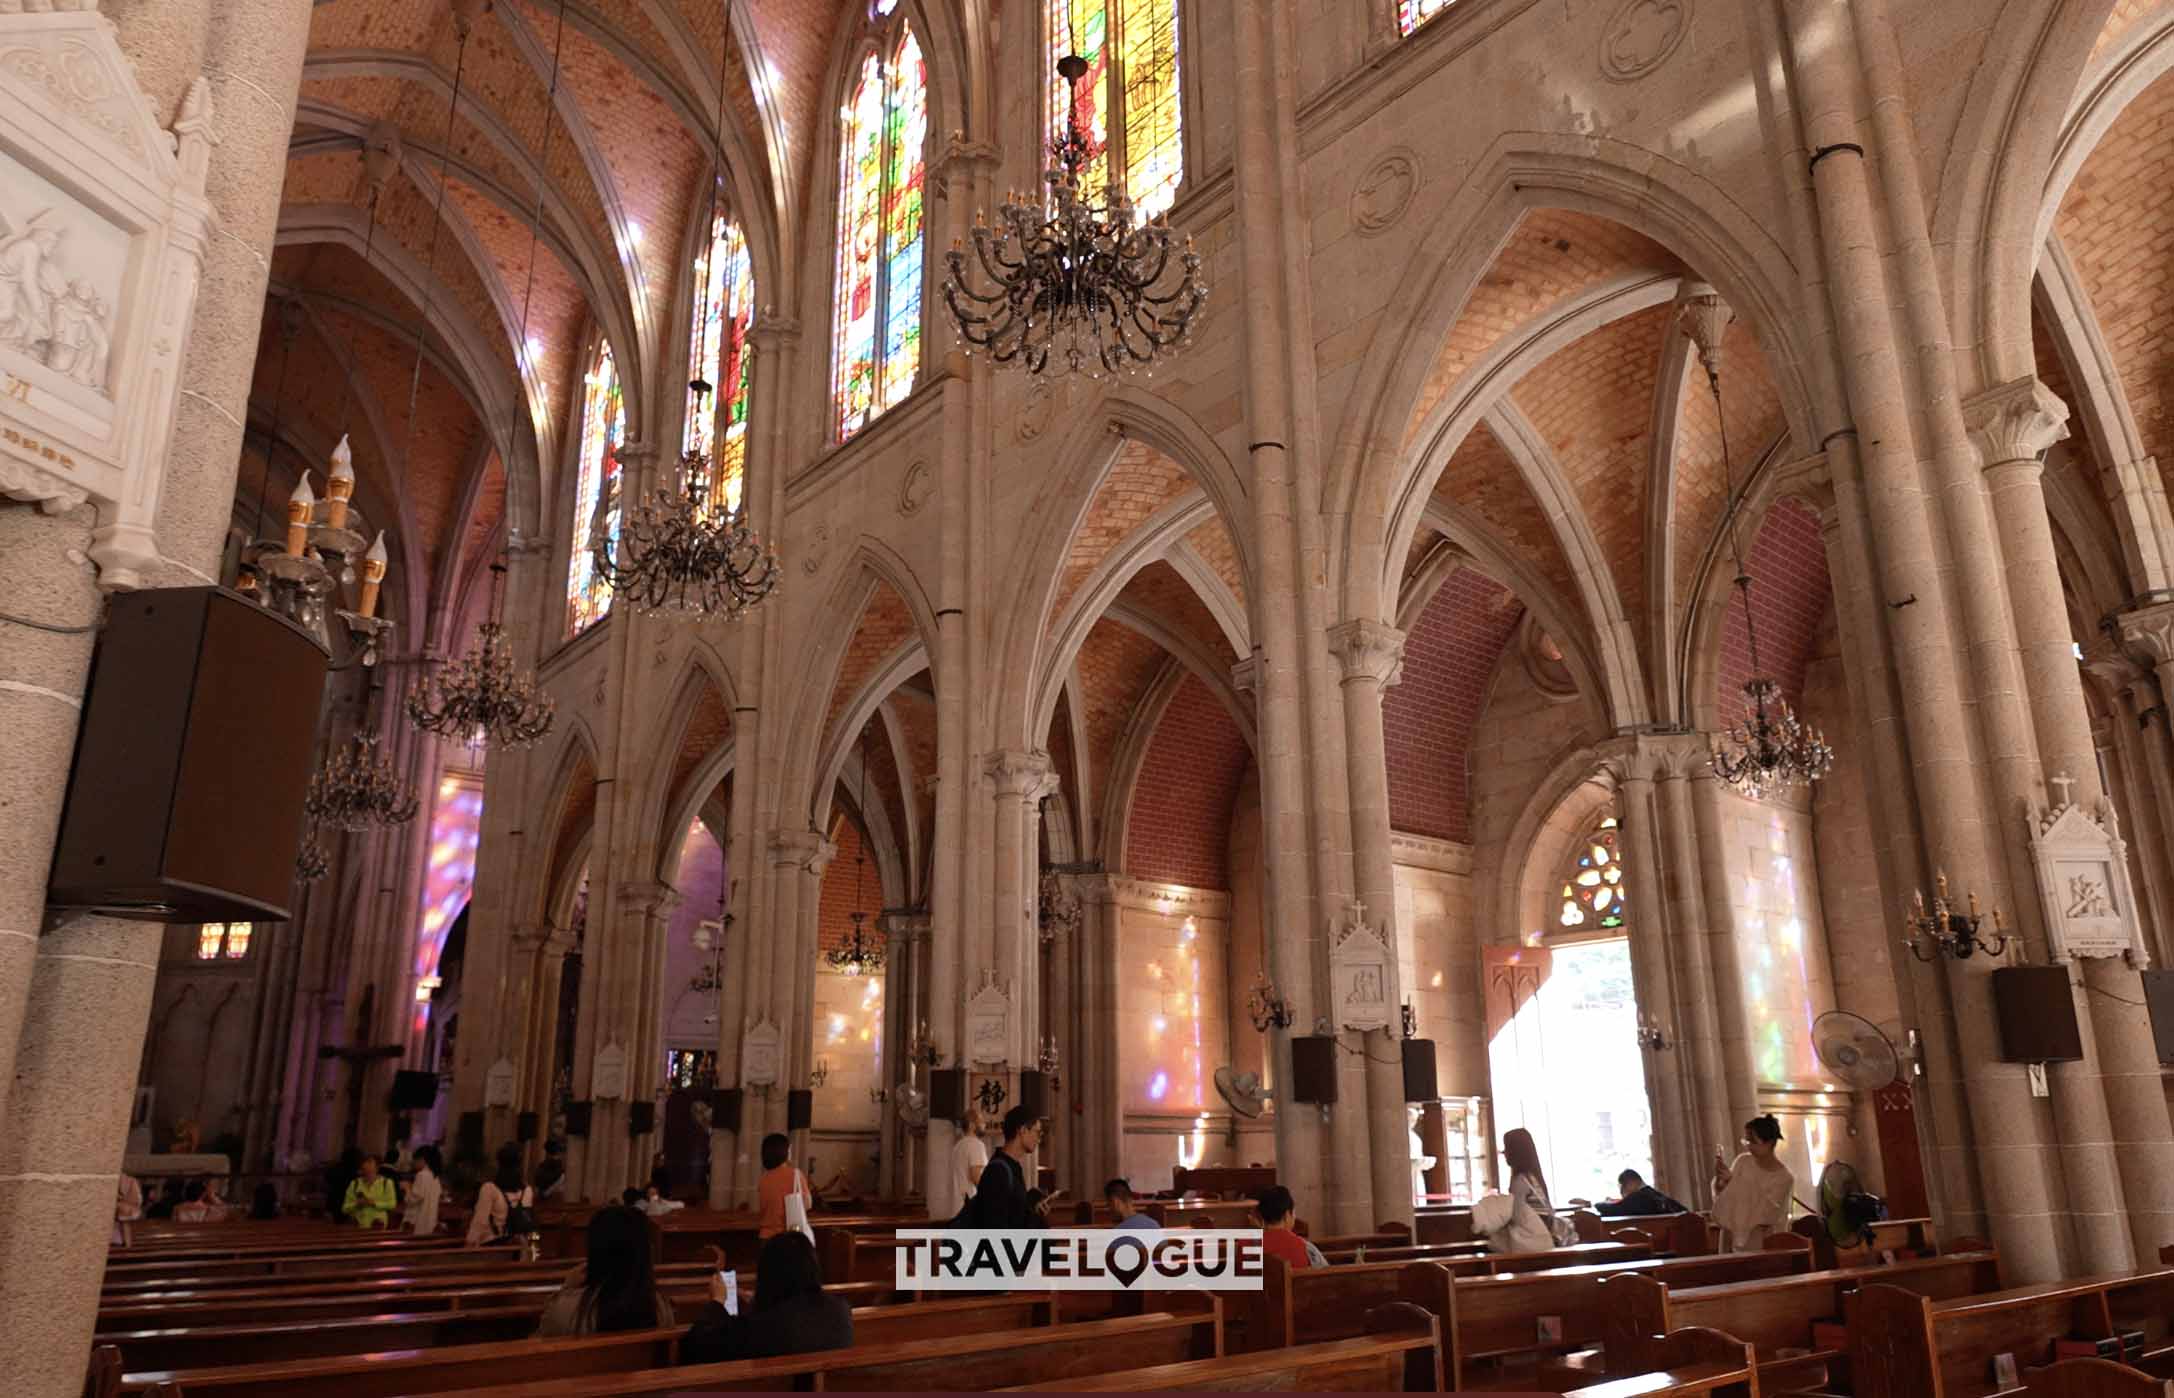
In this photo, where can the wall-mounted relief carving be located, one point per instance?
(1385, 191)
(761, 1051)
(1362, 974)
(1641, 36)
(2083, 880)
(989, 1024)
(915, 490)
(102, 227)
(1035, 410)
(811, 558)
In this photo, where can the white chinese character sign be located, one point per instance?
(102, 226)
(1362, 974)
(2083, 881)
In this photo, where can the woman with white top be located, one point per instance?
(1751, 1195)
(1528, 1185)
(425, 1191)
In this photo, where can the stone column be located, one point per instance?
(1732, 1034)
(1372, 656)
(1715, 1089)
(799, 1029)
(1019, 781)
(1093, 1076)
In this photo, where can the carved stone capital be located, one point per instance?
(773, 329)
(1369, 650)
(1810, 479)
(1029, 775)
(2112, 666)
(901, 928)
(2149, 631)
(1678, 756)
(1245, 676)
(801, 849)
(648, 897)
(2015, 421)
(1630, 757)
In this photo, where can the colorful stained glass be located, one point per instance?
(1593, 897)
(596, 496)
(876, 330)
(1410, 14)
(1140, 88)
(717, 354)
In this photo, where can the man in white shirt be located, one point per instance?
(969, 1157)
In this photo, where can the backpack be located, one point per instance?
(520, 1217)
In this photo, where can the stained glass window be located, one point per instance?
(883, 158)
(717, 355)
(1593, 896)
(1131, 48)
(596, 497)
(1410, 14)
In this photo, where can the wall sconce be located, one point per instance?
(820, 1073)
(1265, 1007)
(1048, 1062)
(1652, 1034)
(879, 1095)
(923, 1050)
(1947, 932)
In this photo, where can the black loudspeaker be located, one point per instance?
(799, 1109)
(1313, 1068)
(202, 707)
(725, 1108)
(1034, 1092)
(1419, 1083)
(524, 1127)
(641, 1118)
(414, 1090)
(947, 1094)
(578, 1115)
(2159, 995)
(469, 1133)
(2037, 1011)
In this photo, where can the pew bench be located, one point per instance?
(1309, 1305)
(1904, 1345)
(320, 1264)
(2094, 1378)
(1405, 1362)
(1684, 1364)
(1223, 1181)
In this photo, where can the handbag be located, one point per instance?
(796, 1208)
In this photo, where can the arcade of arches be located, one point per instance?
(1401, 599)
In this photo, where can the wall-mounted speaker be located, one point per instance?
(201, 706)
(2159, 995)
(725, 1108)
(799, 1109)
(641, 1118)
(947, 1094)
(2037, 1010)
(578, 1117)
(1313, 1068)
(469, 1133)
(414, 1090)
(1034, 1091)
(525, 1126)
(1419, 1083)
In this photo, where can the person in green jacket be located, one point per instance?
(370, 1199)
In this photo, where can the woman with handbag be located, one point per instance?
(505, 1207)
(782, 1196)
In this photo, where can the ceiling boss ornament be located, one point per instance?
(1086, 283)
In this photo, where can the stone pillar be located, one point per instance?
(1093, 1076)
(1714, 1088)
(1019, 780)
(799, 1027)
(1739, 1081)
(1372, 656)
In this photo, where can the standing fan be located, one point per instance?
(1853, 1049)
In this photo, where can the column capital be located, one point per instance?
(904, 926)
(637, 453)
(801, 849)
(647, 896)
(1029, 775)
(1245, 676)
(2015, 421)
(1810, 479)
(1680, 756)
(1648, 757)
(527, 940)
(2112, 666)
(772, 329)
(1369, 650)
(960, 154)
(2150, 631)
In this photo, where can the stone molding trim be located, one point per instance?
(1168, 899)
(1426, 852)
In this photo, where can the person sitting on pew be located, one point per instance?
(1751, 1196)
(1279, 1236)
(1001, 1198)
(500, 1196)
(652, 1202)
(551, 1175)
(370, 1197)
(616, 1289)
(790, 1313)
(127, 1209)
(1130, 1217)
(1637, 1199)
(168, 1200)
(1506, 1223)
(264, 1204)
(1528, 1184)
(426, 1191)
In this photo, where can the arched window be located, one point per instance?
(1129, 98)
(1410, 14)
(876, 334)
(724, 309)
(603, 422)
(1593, 897)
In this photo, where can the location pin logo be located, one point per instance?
(1116, 1260)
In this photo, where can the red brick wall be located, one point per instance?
(1789, 599)
(1427, 719)
(1181, 804)
(834, 923)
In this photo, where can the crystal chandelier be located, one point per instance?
(1768, 748)
(357, 790)
(677, 556)
(1085, 281)
(480, 700)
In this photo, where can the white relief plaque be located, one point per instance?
(498, 1084)
(989, 1025)
(608, 1082)
(2083, 882)
(1362, 975)
(759, 1054)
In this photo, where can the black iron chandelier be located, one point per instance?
(1768, 748)
(480, 700)
(357, 790)
(1946, 932)
(1087, 282)
(859, 954)
(678, 557)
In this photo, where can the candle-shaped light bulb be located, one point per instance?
(373, 575)
(300, 507)
(340, 484)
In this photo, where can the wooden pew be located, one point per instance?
(1223, 1181)
(1049, 1354)
(1192, 1213)
(2093, 1378)
(1443, 1226)
(1307, 1305)
(851, 1256)
(339, 1264)
(1903, 1345)
(1684, 1363)
(452, 1368)
(1394, 1363)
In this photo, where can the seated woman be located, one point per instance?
(1506, 1223)
(201, 1204)
(616, 1288)
(790, 1313)
(370, 1197)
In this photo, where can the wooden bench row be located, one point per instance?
(1907, 1345)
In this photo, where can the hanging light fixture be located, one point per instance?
(357, 790)
(859, 954)
(481, 699)
(1768, 748)
(1088, 283)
